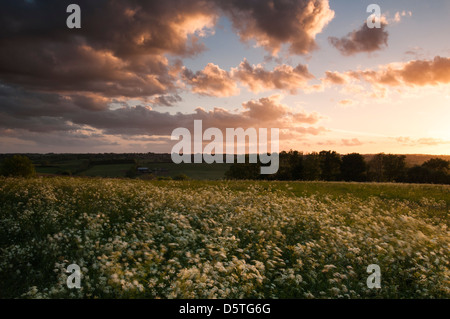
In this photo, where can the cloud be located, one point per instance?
(212, 81)
(400, 14)
(362, 40)
(48, 112)
(352, 142)
(283, 77)
(63, 87)
(347, 102)
(424, 72)
(68, 67)
(64, 138)
(421, 141)
(122, 48)
(311, 130)
(119, 51)
(165, 100)
(412, 73)
(25, 104)
(394, 77)
(272, 23)
(334, 78)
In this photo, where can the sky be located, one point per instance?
(136, 70)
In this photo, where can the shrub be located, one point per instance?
(17, 165)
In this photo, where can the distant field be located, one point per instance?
(222, 239)
(61, 167)
(79, 168)
(112, 170)
(195, 171)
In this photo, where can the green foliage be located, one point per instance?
(290, 166)
(387, 168)
(435, 171)
(353, 168)
(311, 167)
(394, 167)
(437, 164)
(330, 165)
(17, 165)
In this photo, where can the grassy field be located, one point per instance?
(80, 168)
(192, 170)
(222, 239)
(113, 170)
(61, 167)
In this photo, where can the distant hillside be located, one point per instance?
(414, 159)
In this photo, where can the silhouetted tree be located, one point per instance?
(437, 164)
(435, 170)
(375, 168)
(311, 167)
(387, 168)
(419, 174)
(330, 165)
(394, 167)
(353, 168)
(17, 165)
(290, 166)
(296, 162)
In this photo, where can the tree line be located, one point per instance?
(324, 166)
(331, 166)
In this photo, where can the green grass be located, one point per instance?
(195, 171)
(412, 192)
(61, 167)
(112, 170)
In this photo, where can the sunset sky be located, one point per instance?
(136, 70)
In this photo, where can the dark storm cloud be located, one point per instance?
(272, 23)
(362, 40)
(61, 81)
(48, 112)
(46, 141)
(121, 46)
(264, 112)
(125, 27)
(119, 50)
(23, 104)
(167, 100)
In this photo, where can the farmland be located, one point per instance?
(222, 239)
(82, 167)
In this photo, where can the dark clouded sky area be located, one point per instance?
(136, 70)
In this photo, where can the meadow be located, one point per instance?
(222, 239)
(81, 168)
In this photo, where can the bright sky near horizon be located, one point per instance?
(136, 70)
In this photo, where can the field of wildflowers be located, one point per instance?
(227, 239)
